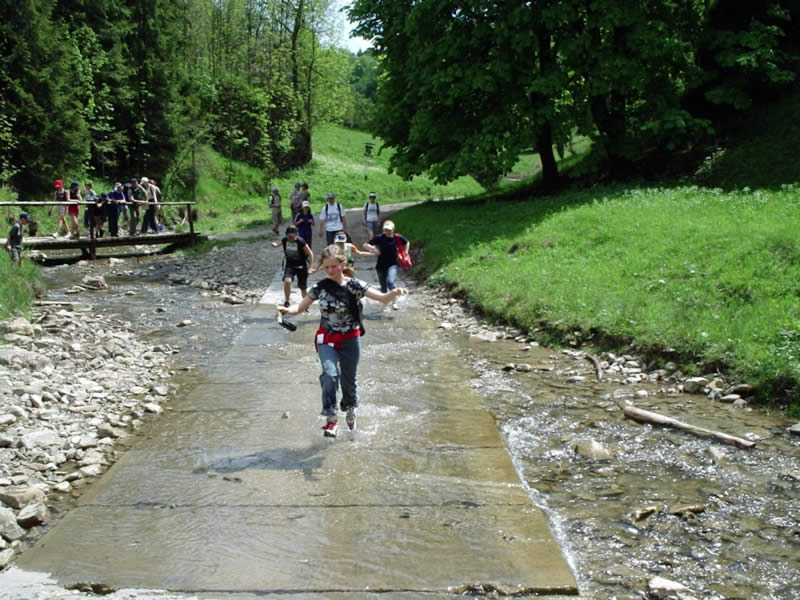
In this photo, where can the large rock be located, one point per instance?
(5, 557)
(659, 588)
(32, 515)
(43, 438)
(94, 282)
(15, 356)
(795, 429)
(592, 449)
(18, 326)
(694, 384)
(9, 528)
(21, 496)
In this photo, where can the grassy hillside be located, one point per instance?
(232, 196)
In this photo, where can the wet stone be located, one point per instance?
(19, 497)
(659, 588)
(9, 528)
(5, 557)
(592, 449)
(32, 515)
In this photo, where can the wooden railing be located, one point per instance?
(92, 245)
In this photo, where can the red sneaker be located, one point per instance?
(329, 429)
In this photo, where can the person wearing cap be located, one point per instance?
(304, 221)
(60, 195)
(297, 256)
(14, 239)
(73, 210)
(338, 338)
(296, 201)
(275, 207)
(114, 206)
(348, 248)
(385, 247)
(332, 219)
(372, 216)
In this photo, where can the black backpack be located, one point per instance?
(377, 207)
(339, 206)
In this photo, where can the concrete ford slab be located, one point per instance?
(235, 491)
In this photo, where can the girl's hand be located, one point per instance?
(400, 291)
(282, 310)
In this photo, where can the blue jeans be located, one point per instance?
(149, 220)
(386, 278)
(339, 366)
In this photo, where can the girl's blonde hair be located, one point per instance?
(337, 252)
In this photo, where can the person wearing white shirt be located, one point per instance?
(332, 219)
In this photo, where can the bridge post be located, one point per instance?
(191, 223)
(92, 243)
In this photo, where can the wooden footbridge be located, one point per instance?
(88, 243)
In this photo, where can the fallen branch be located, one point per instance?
(598, 371)
(646, 416)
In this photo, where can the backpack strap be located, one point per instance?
(344, 295)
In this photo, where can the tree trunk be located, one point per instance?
(544, 146)
(544, 141)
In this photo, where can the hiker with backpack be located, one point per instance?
(338, 338)
(297, 256)
(332, 219)
(372, 216)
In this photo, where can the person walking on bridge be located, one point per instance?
(73, 210)
(338, 338)
(60, 195)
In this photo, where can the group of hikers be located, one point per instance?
(123, 201)
(340, 293)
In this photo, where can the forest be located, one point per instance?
(467, 85)
(117, 88)
(121, 88)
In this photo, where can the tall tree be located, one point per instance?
(467, 85)
(39, 100)
(471, 102)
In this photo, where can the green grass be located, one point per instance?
(529, 164)
(18, 287)
(338, 166)
(704, 276)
